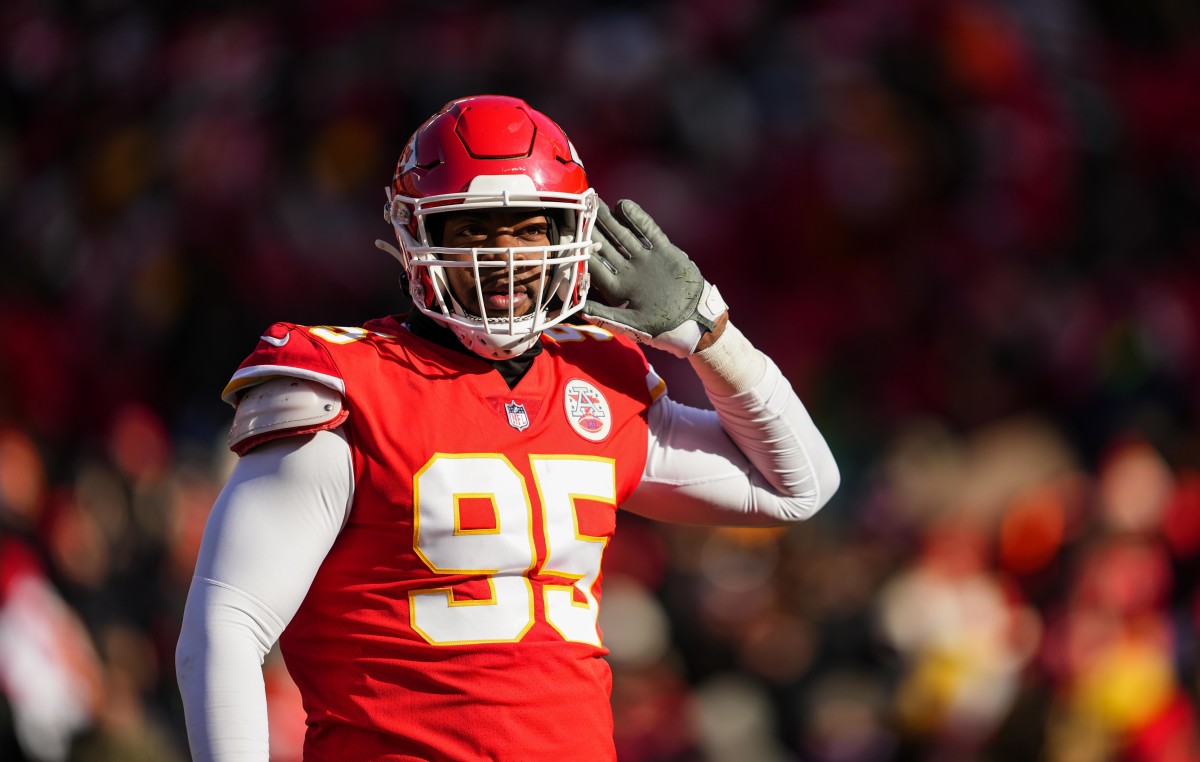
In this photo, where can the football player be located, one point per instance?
(421, 504)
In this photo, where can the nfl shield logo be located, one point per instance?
(517, 417)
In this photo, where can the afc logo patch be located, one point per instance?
(587, 410)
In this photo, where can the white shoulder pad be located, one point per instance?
(281, 404)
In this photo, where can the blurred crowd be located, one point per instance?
(967, 230)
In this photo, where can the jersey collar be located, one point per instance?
(511, 370)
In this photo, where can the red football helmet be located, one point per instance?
(493, 151)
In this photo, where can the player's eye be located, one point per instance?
(536, 231)
(467, 232)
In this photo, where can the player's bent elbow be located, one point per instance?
(802, 504)
(828, 482)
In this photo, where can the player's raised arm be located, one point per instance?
(775, 465)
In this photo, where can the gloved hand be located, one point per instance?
(656, 293)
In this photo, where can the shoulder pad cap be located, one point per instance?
(282, 407)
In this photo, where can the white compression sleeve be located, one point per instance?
(267, 535)
(757, 460)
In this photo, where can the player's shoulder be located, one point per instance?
(329, 337)
(284, 406)
(605, 355)
(590, 338)
(294, 381)
(312, 352)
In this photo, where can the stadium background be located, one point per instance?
(967, 231)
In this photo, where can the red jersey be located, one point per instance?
(455, 616)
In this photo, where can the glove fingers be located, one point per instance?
(606, 278)
(602, 312)
(611, 271)
(643, 225)
(607, 266)
(623, 240)
(603, 250)
(608, 252)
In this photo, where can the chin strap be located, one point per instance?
(383, 245)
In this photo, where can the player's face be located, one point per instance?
(496, 229)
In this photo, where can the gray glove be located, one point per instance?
(656, 293)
